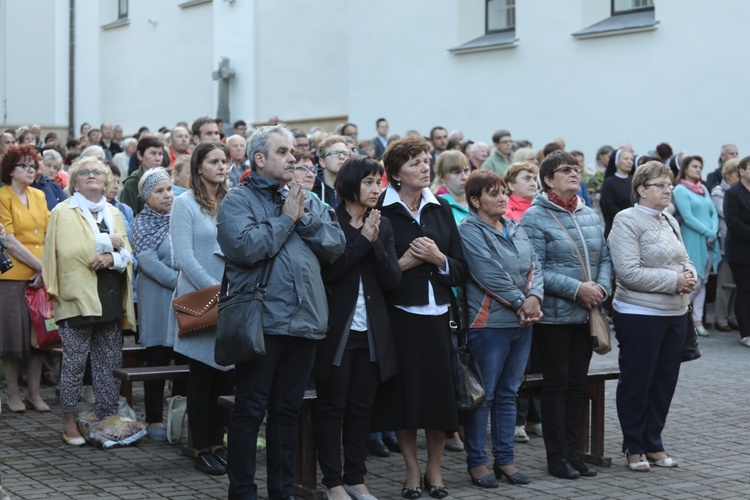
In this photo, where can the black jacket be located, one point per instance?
(438, 224)
(737, 217)
(377, 265)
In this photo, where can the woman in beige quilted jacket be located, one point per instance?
(654, 278)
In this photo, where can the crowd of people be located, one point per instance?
(368, 246)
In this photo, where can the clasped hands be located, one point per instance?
(421, 250)
(530, 311)
(686, 282)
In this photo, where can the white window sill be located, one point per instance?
(492, 41)
(621, 24)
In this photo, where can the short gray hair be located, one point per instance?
(259, 142)
(52, 155)
(95, 151)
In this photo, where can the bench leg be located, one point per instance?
(591, 439)
(305, 462)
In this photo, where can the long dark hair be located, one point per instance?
(196, 180)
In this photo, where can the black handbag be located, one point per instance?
(239, 329)
(690, 351)
(467, 377)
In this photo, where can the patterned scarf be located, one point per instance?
(570, 206)
(149, 229)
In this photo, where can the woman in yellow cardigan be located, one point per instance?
(88, 271)
(23, 212)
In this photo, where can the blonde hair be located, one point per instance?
(516, 168)
(328, 142)
(85, 160)
(730, 167)
(448, 162)
(523, 154)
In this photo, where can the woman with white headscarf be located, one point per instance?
(157, 278)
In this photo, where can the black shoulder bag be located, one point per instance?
(239, 329)
(467, 377)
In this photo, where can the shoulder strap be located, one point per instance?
(575, 245)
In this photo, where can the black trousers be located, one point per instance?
(153, 390)
(565, 353)
(650, 356)
(207, 420)
(343, 406)
(741, 274)
(275, 382)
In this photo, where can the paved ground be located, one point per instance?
(708, 431)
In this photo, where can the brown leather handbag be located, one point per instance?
(197, 310)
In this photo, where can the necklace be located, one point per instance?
(413, 208)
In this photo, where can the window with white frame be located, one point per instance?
(628, 6)
(500, 15)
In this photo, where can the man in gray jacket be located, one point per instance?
(270, 217)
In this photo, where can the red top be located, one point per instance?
(516, 207)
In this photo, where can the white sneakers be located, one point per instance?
(534, 428)
(520, 435)
(745, 341)
(701, 330)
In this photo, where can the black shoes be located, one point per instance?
(392, 443)
(221, 456)
(515, 479)
(435, 491)
(563, 470)
(377, 448)
(582, 467)
(207, 464)
(411, 493)
(487, 481)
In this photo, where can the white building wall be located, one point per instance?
(299, 59)
(152, 73)
(303, 66)
(27, 62)
(680, 83)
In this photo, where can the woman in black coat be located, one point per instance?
(358, 351)
(431, 259)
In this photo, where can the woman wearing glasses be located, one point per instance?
(333, 153)
(560, 227)
(88, 271)
(654, 278)
(24, 214)
(304, 170)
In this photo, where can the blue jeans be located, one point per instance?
(502, 354)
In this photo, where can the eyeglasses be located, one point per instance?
(86, 173)
(336, 154)
(302, 145)
(661, 186)
(306, 170)
(567, 170)
(28, 166)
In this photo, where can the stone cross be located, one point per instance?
(224, 74)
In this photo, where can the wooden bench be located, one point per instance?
(305, 460)
(591, 439)
(128, 375)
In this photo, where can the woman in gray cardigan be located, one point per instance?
(560, 226)
(201, 265)
(505, 293)
(157, 277)
(654, 278)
